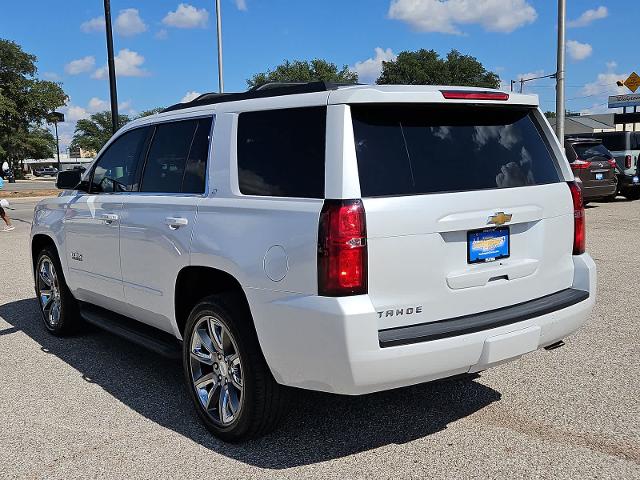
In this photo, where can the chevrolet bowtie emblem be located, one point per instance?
(500, 218)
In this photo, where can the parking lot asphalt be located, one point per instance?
(96, 406)
(47, 183)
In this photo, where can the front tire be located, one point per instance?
(58, 307)
(231, 386)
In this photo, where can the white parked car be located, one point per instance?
(347, 239)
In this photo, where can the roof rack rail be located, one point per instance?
(274, 89)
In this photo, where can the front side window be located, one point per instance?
(281, 152)
(115, 170)
(420, 149)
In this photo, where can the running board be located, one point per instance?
(143, 335)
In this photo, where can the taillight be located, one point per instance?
(612, 163)
(579, 240)
(580, 165)
(473, 95)
(627, 161)
(342, 249)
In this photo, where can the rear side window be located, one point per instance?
(176, 161)
(419, 149)
(281, 152)
(585, 151)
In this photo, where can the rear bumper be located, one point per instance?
(333, 345)
(600, 191)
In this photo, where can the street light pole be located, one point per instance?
(219, 28)
(112, 68)
(55, 124)
(562, 13)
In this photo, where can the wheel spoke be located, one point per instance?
(224, 405)
(54, 312)
(205, 380)
(45, 273)
(46, 296)
(235, 373)
(217, 332)
(201, 357)
(205, 340)
(213, 396)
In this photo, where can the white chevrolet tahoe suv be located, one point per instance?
(347, 239)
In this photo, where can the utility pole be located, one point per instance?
(112, 68)
(219, 28)
(560, 109)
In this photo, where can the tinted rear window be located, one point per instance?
(585, 151)
(281, 152)
(405, 150)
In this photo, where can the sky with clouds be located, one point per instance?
(166, 49)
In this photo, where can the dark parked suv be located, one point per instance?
(593, 166)
(625, 149)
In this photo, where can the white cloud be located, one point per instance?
(369, 70)
(589, 17)
(598, 108)
(526, 76)
(577, 50)
(612, 65)
(93, 25)
(241, 5)
(53, 76)
(129, 23)
(81, 65)
(162, 34)
(443, 16)
(74, 113)
(605, 84)
(128, 64)
(97, 105)
(191, 95)
(187, 16)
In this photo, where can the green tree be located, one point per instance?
(93, 132)
(25, 102)
(426, 67)
(152, 111)
(304, 71)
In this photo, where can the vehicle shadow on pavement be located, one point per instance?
(319, 426)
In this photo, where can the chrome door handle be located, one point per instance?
(109, 218)
(176, 222)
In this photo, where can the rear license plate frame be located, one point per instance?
(488, 233)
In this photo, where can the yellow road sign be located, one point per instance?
(633, 82)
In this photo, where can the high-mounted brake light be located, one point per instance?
(580, 164)
(473, 95)
(342, 249)
(627, 161)
(579, 229)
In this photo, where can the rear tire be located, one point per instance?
(58, 307)
(229, 381)
(634, 195)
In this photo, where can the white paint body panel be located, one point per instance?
(416, 251)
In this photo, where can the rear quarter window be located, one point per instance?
(281, 152)
(420, 149)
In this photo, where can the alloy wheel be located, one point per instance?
(49, 291)
(216, 370)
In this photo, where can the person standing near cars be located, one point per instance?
(8, 225)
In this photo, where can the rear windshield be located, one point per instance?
(617, 142)
(418, 149)
(585, 151)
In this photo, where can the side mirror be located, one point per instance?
(70, 180)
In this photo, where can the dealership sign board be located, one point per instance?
(631, 100)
